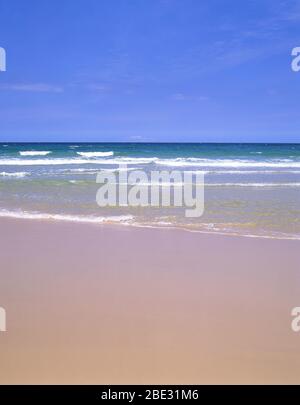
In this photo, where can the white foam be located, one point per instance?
(35, 153)
(180, 162)
(284, 163)
(129, 220)
(253, 172)
(43, 162)
(79, 171)
(252, 184)
(95, 154)
(66, 218)
(96, 171)
(181, 184)
(165, 183)
(138, 160)
(74, 161)
(211, 228)
(129, 161)
(14, 174)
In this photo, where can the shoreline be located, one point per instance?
(120, 220)
(125, 305)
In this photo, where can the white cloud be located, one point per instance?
(32, 87)
(97, 87)
(187, 97)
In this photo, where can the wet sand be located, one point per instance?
(115, 305)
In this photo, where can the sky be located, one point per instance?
(149, 71)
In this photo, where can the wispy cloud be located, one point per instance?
(32, 87)
(187, 97)
(97, 87)
(236, 44)
(136, 138)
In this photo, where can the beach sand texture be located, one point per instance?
(116, 305)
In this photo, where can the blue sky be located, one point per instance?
(149, 70)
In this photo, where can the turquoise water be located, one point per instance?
(250, 189)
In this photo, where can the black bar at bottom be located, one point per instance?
(135, 393)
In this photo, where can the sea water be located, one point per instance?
(250, 189)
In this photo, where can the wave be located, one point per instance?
(175, 163)
(164, 183)
(252, 172)
(252, 184)
(193, 162)
(74, 161)
(127, 161)
(67, 218)
(14, 174)
(43, 162)
(78, 171)
(138, 160)
(95, 154)
(35, 153)
(130, 220)
(181, 184)
(96, 171)
(212, 228)
(79, 182)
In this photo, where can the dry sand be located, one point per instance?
(111, 305)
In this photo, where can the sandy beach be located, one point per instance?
(116, 305)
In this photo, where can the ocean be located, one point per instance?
(250, 189)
